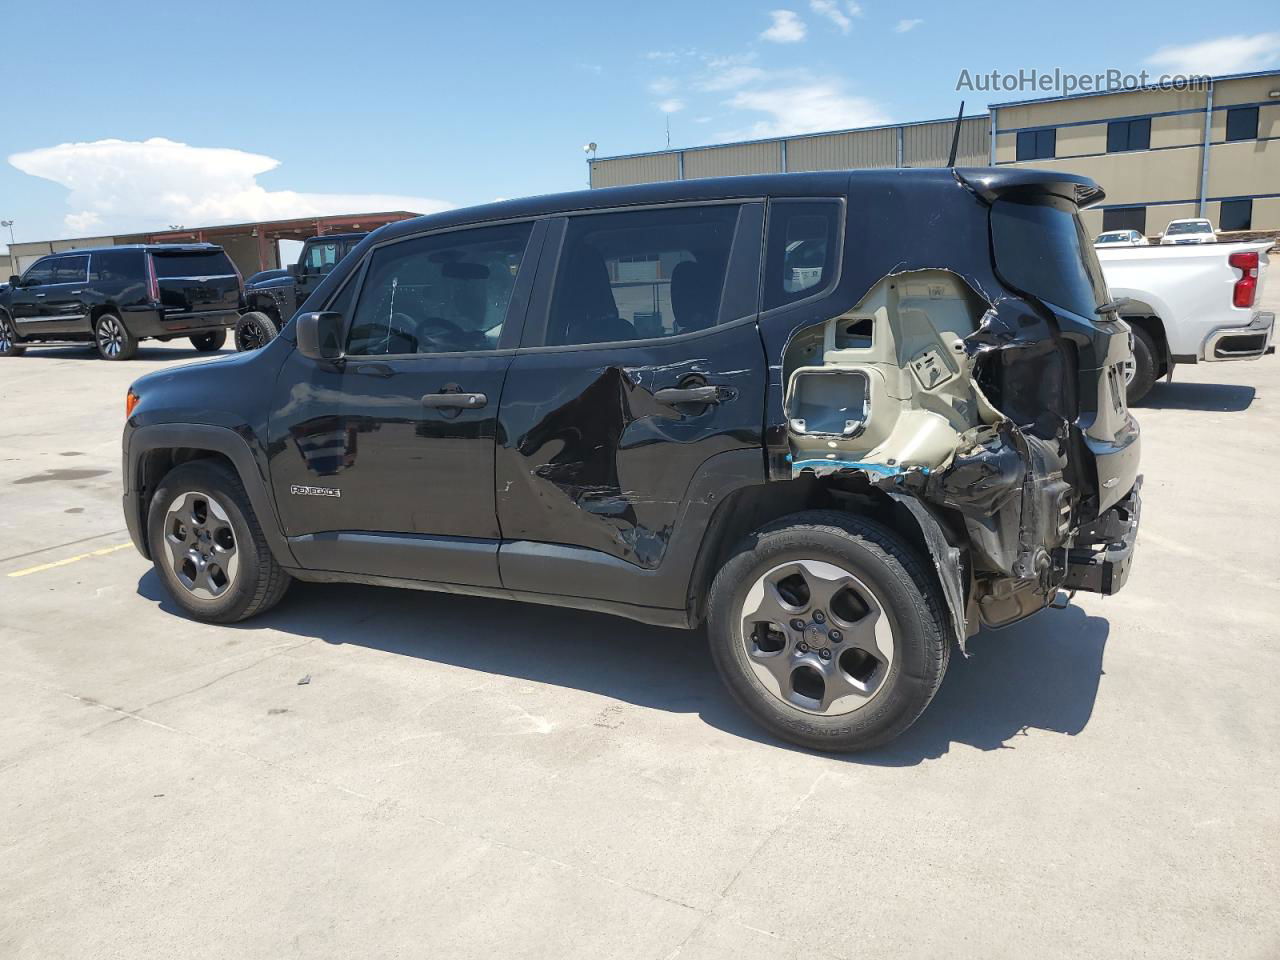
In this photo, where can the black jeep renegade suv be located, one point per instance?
(841, 419)
(117, 296)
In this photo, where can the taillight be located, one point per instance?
(130, 401)
(153, 285)
(1246, 288)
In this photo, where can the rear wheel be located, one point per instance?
(113, 339)
(208, 547)
(254, 330)
(1140, 372)
(829, 631)
(9, 346)
(209, 342)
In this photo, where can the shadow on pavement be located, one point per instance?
(87, 351)
(1220, 397)
(1042, 673)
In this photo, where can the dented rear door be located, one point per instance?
(642, 364)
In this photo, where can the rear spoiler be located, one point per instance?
(992, 183)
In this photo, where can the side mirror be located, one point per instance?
(14, 280)
(295, 270)
(320, 335)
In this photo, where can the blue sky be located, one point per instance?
(235, 111)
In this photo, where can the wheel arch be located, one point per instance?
(1145, 317)
(749, 509)
(153, 451)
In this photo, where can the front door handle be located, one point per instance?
(707, 393)
(455, 401)
(41, 294)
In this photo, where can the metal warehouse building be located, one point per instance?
(1159, 154)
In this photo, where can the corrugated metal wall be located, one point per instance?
(862, 149)
(649, 168)
(923, 145)
(928, 144)
(763, 157)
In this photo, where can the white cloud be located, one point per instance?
(728, 76)
(673, 105)
(1238, 54)
(807, 105)
(787, 27)
(903, 26)
(662, 86)
(129, 186)
(831, 10)
(854, 8)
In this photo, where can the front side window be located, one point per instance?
(1242, 123)
(446, 293)
(39, 272)
(1236, 214)
(639, 275)
(322, 257)
(1037, 144)
(71, 269)
(803, 250)
(1129, 135)
(1041, 248)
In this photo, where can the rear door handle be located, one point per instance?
(455, 401)
(703, 394)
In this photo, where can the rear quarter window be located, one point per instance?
(803, 250)
(115, 265)
(214, 263)
(1041, 248)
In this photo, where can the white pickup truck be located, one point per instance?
(1189, 304)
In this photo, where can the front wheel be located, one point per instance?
(208, 547)
(113, 339)
(209, 342)
(9, 346)
(829, 630)
(254, 330)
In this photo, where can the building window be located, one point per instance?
(1236, 215)
(1125, 218)
(1242, 123)
(1125, 135)
(1038, 144)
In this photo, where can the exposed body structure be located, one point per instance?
(815, 412)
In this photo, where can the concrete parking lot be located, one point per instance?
(469, 778)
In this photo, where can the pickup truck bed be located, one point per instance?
(1189, 304)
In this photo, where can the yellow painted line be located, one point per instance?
(69, 560)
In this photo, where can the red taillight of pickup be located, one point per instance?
(1246, 288)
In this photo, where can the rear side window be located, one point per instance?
(803, 250)
(116, 265)
(71, 269)
(445, 293)
(1041, 248)
(190, 265)
(641, 275)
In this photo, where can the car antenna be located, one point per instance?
(955, 137)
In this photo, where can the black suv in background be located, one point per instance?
(843, 419)
(115, 297)
(273, 296)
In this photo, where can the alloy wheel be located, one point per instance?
(110, 336)
(817, 637)
(7, 335)
(203, 553)
(250, 336)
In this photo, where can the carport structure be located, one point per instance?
(254, 247)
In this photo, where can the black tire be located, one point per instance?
(257, 583)
(1145, 352)
(209, 342)
(902, 584)
(254, 330)
(9, 345)
(113, 340)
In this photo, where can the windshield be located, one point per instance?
(1198, 227)
(1112, 238)
(1041, 248)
